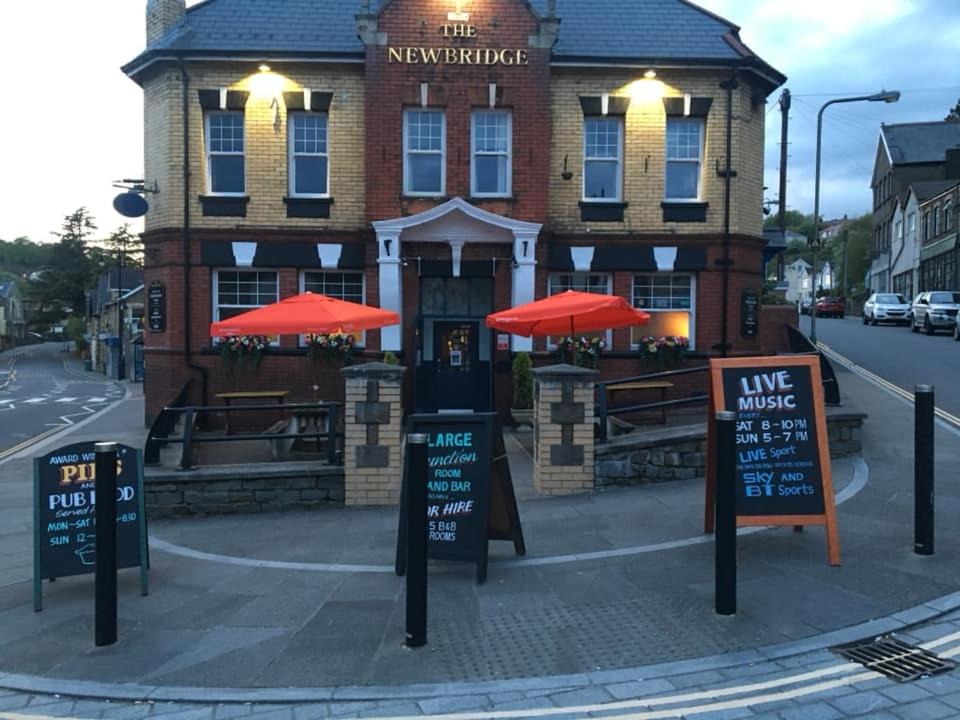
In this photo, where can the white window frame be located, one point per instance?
(210, 154)
(292, 155)
(608, 278)
(407, 152)
(699, 161)
(619, 159)
(947, 213)
(215, 295)
(912, 225)
(692, 310)
(362, 336)
(474, 153)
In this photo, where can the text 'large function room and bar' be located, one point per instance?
(445, 160)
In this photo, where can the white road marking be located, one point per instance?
(67, 400)
(97, 400)
(34, 401)
(861, 474)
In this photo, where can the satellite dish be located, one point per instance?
(130, 204)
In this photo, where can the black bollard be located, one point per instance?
(923, 470)
(105, 516)
(416, 540)
(725, 539)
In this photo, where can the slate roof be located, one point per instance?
(927, 189)
(923, 142)
(104, 292)
(637, 30)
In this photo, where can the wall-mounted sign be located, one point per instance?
(749, 314)
(503, 341)
(458, 27)
(64, 501)
(157, 307)
(783, 460)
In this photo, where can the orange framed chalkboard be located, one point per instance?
(783, 460)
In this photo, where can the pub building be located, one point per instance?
(445, 159)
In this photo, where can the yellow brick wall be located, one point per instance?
(265, 145)
(644, 154)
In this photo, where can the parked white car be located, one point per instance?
(886, 307)
(935, 310)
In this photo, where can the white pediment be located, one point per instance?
(456, 221)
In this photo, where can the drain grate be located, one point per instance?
(894, 658)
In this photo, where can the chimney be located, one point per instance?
(952, 169)
(162, 17)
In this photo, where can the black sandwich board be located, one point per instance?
(470, 496)
(64, 526)
(783, 458)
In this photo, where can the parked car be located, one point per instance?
(956, 329)
(935, 310)
(886, 307)
(830, 307)
(805, 306)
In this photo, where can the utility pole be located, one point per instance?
(784, 131)
(120, 250)
(846, 290)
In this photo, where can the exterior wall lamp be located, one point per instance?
(886, 96)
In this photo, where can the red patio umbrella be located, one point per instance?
(304, 314)
(569, 312)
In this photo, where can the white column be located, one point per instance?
(391, 288)
(524, 279)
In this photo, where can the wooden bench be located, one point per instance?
(661, 385)
(229, 397)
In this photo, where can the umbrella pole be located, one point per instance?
(572, 351)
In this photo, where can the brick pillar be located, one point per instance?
(563, 429)
(372, 424)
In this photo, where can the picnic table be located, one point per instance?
(229, 397)
(661, 385)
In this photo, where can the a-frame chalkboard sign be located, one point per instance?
(783, 459)
(64, 523)
(470, 496)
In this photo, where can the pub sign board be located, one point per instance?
(783, 460)
(749, 313)
(157, 307)
(459, 465)
(64, 522)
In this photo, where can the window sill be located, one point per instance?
(601, 211)
(477, 199)
(224, 205)
(684, 211)
(426, 196)
(308, 207)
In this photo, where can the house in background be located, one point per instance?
(907, 153)
(939, 255)
(833, 228)
(824, 279)
(799, 280)
(13, 324)
(102, 318)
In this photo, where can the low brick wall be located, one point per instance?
(228, 490)
(680, 453)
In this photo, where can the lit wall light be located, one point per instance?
(458, 15)
(646, 91)
(266, 85)
(650, 74)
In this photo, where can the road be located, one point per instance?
(897, 355)
(43, 388)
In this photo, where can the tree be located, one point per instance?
(954, 114)
(60, 290)
(120, 247)
(858, 253)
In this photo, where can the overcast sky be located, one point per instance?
(72, 123)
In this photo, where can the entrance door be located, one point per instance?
(456, 346)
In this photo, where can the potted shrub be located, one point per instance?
(522, 409)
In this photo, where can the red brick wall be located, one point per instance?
(458, 89)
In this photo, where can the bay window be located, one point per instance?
(670, 298)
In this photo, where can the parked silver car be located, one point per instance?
(886, 307)
(935, 310)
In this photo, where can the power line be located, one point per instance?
(907, 90)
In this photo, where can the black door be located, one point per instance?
(461, 381)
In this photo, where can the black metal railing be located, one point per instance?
(800, 344)
(163, 424)
(603, 411)
(191, 415)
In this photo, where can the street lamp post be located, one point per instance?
(883, 96)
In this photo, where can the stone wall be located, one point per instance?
(228, 490)
(680, 453)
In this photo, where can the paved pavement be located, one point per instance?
(612, 616)
(903, 358)
(43, 388)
